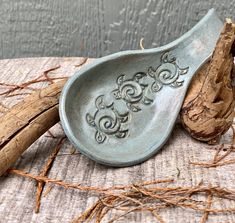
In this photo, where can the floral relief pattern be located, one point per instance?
(133, 92)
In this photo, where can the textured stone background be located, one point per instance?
(96, 28)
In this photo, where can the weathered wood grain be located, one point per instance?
(17, 195)
(96, 27)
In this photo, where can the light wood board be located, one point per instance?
(17, 194)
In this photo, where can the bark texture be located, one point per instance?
(208, 109)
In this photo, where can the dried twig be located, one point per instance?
(47, 191)
(45, 171)
(57, 182)
(84, 60)
(141, 43)
(155, 200)
(209, 203)
(143, 196)
(218, 160)
(26, 85)
(51, 135)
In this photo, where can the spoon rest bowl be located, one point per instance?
(121, 109)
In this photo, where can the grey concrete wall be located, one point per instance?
(96, 27)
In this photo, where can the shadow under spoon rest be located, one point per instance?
(120, 110)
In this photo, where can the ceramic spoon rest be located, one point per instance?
(121, 109)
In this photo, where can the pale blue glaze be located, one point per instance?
(120, 110)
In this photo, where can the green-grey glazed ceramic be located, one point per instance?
(120, 110)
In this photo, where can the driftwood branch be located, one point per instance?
(26, 122)
(208, 108)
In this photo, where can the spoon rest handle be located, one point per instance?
(196, 46)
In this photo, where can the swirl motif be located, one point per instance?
(132, 91)
(167, 73)
(107, 121)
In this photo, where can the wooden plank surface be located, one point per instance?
(96, 27)
(17, 195)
